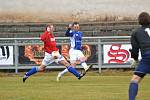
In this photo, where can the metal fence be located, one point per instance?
(96, 43)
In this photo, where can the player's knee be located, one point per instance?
(136, 79)
(73, 64)
(65, 63)
(41, 68)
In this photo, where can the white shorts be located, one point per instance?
(48, 59)
(75, 55)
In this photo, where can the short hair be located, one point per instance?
(75, 23)
(144, 18)
(48, 25)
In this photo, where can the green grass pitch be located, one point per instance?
(43, 86)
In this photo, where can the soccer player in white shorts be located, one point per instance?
(75, 51)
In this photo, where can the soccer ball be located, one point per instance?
(55, 54)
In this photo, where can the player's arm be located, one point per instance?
(69, 31)
(43, 37)
(134, 51)
(135, 47)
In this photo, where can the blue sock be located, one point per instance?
(133, 90)
(31, 72)
(73, 71)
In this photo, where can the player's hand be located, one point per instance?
(134, 63)
(70, 26)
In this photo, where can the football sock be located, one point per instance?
(63, 72)
(32, 71)
(84, 65)
(133, 90)
(73, 71)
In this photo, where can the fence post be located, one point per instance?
(99, 55)
(16, 56)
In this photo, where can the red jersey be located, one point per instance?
(49, 42)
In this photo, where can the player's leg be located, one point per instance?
(83, 60)
(71, 69)
(83, 63)
(139, 74)
(60, 59)
(133, 87)
(56, 55)
(33, 71)
(73, 58)
(60, 74)
(47, 60)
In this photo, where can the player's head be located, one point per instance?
(144, 19)
(76, 26)
(50, 28)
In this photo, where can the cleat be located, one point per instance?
(89, 67)
(58, 77)
(81, 75)
(85, 71)
(24, 78)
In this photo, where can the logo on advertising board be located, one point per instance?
(6, 55)
(116, 53)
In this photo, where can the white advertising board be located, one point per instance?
(116, 53)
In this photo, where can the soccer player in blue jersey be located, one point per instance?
(140, 40)
(75, 51)
(51, 55)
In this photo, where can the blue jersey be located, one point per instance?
(75, 38)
